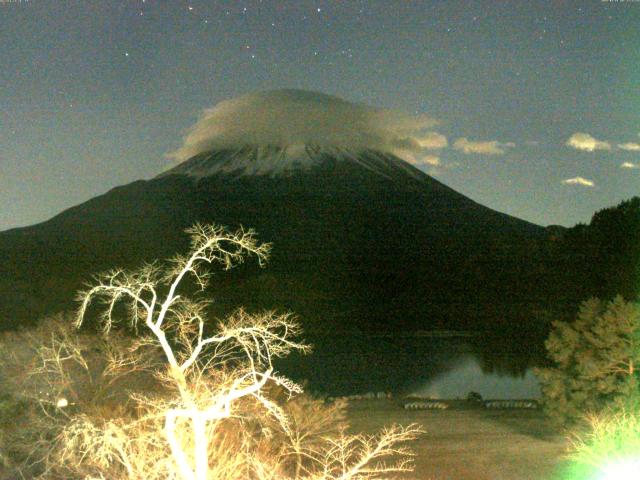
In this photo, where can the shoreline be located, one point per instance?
(472, 443)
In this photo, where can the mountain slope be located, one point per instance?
(361, 240)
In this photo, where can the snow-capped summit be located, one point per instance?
(274, 161)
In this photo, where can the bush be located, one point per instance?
(11, 410)
(607, 448)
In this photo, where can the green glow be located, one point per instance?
(611, 448)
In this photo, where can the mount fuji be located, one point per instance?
(362, 240)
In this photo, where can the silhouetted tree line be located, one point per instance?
(602, 259)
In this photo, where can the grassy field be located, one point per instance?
(470, 444)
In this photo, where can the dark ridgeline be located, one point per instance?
(602, 259)
(362, 242)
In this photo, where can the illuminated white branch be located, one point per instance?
(178, 326)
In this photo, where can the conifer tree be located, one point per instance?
(596, 360)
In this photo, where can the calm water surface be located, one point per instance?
(429, 366)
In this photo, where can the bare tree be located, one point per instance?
(177, 324)
(211, 386)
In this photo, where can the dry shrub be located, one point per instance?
(608, 446)
(75, 390)
(98, 435)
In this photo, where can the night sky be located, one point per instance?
(539, 100)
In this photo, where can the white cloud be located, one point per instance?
(578, 181)
(629, 165)
(293, 117)
(432, 160)
(630, 146)
(419, 159)
(432, 140)
(492, 147)
(585, 142)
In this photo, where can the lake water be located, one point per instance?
(428, 366)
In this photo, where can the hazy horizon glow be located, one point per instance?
(467, 376)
